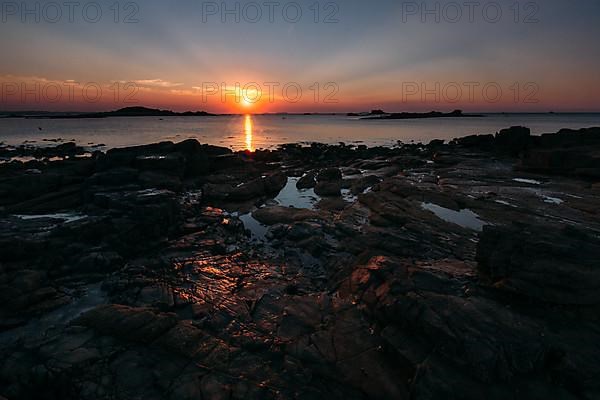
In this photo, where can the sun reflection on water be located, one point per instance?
(248, 127)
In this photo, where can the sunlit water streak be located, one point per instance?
(248, 126)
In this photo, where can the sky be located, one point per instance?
(301, 56)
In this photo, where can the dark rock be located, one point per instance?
(197, 157)
(515, 140)
(332, 204)
(268, 185)
(126, 157)
(436, 143)
(126, 323)
(547, 263)
(360, 185)
(114, 177)
(484, 142)
(172, 164)
(283, 215)
(225, 161)
(265, 186)
(329, 174)
(329, 188)
(583, 162)
(308, 181)
(103, 262)
(566, 138)
(303, 230)
(159, 180)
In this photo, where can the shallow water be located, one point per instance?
(552, 200)
(465, 218)
(267, 131)
(64, 217)
(291, 196)
(528, 181)
(257, 230)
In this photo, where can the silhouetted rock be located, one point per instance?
(432, 114)
(485, 142)
(329, 175)
(329, 188)
(329, 182)
(515, 140)
(568, 152)
(308, 181)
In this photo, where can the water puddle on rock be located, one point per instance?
(290, 196)
(64, 217)
(258, 230)
(527, 181)
(23, 159)
(348, 196)
(552, 200)
(505, 203)
(547, 196)
(465, 218)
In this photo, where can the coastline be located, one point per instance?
(423, 268)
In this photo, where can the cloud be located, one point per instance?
(158, 83)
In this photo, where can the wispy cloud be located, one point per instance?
(159, 83)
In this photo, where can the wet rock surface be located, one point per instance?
(182, 271)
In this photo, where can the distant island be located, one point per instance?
(123, 112)
(379, 114)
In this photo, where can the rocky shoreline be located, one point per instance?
(460, 270)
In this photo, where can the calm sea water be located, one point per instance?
(268, 131)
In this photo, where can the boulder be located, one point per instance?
(268, 185)
(329, 174)
(308, 181)
(329, 182)
(264, 186)
(514, 141)
(329, 188)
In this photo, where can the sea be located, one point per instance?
(252, 132)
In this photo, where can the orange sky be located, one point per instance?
(373, 54)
